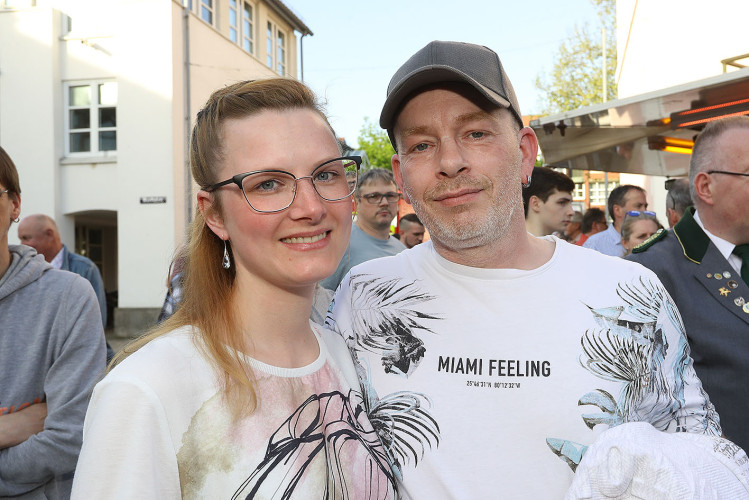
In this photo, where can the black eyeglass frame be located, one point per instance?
(726, 172)
(237, 179)
(371, 199)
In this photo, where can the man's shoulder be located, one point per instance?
(659, 235)
(662, 245)
(79, 259)
(596, 239)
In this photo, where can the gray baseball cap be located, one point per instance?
(441, 62)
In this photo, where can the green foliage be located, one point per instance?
(376, 143)
(576, 78)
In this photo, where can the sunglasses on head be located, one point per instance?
(635, 213)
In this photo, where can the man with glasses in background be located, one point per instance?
(376, 199)
(623, 199)
(703, 262)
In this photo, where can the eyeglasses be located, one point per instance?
(376, 198)
(637, 213)
(727, 173)
(268, 191)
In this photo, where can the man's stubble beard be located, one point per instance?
(475, 232)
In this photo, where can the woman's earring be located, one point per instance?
(16, 220)
(226, 262)
(527, 184)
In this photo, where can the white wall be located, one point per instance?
(28, 98)
(676, 41)
(145, 160)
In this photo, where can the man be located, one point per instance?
(573, 232)
(547, 202)
(623, 199)
(678, 199)
(51, 355)
(40, 232)
(376, 199)
(485, 371)
(594, 221)
(703, 263)
(411, 230)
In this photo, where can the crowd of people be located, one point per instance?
(303, 353)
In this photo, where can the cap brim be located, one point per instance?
(430, 75)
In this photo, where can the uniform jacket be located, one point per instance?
(714, 304)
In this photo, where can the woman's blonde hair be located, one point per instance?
(208, 288)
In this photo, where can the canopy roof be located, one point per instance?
(638, 134)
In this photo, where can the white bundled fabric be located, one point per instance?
(636, 460)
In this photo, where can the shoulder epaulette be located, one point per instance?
(659, 235)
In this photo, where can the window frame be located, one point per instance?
(247, 35)
(273, 48)
(234, 30)
(210, 7)
(94, 129)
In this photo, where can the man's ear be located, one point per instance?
(534, 203)
(15, 200)
(529, 152)
(212, 218)
(618, 212)
(703, 188)
(395, 162)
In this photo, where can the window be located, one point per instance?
(248, 29)
(206, 11)
(91, 118)
(281, 53)
(598, 195)
(276, 49)
(233, 21)
(579, 192)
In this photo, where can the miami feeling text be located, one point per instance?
(494, 367)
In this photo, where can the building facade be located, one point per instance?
(97, 99)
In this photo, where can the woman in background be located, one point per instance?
(638, 227)
(238, 394)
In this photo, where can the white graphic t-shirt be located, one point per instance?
(489, 383)
(158, 427)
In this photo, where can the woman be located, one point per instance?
(51, 354)
(638, 227)
(238, 394)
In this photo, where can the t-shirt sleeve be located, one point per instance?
(681, 387)
(127, 447)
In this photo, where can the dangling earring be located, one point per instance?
(226, 262)
(16, 220)
(527, 184)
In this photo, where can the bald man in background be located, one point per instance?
(40, 232)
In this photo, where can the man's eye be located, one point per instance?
(477, 135)
(420, 147)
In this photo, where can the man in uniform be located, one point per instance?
(704, 264)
